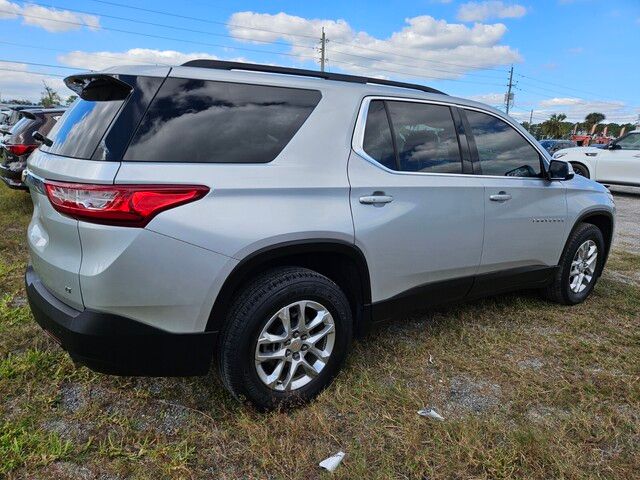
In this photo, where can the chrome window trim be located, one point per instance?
(357, 140)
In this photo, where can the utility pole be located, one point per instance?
(508, 98)
(323, 49)
(530, 119)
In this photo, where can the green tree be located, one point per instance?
(592, 119)
(71, 99)
(553, 127)
(50, 97)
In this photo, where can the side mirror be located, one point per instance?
(613, 146)
(560, 170)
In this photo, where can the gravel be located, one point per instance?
(468, 395)
(627, 235)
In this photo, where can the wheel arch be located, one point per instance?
(603, 219)
(584, 165)
(342, 262)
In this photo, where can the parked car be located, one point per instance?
(4, 115)
(16, 147)
(552, 146)
(616, 164)
(13, 116)
(266, 216)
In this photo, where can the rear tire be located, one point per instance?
(578, 270)
(256, 331)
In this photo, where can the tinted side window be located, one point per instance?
(630, 142)
(219, 122)
(377, 136)
(502, 150)
(79, 130)
(425, 137)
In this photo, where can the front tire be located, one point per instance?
(581, 170)
(286, 337)
(580, 266)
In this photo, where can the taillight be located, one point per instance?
(122, 205)
(20, 149)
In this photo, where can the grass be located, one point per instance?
(528, 390)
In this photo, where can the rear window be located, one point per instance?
(219, 122)
(20, 125)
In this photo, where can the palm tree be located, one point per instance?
(593, 119)
(553, 127)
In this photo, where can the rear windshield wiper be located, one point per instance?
(42, 139)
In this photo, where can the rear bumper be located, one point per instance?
(117, 345)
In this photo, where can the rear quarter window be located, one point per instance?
(79, 130)
(199, 121)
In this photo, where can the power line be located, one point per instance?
(558, 85)
(164, 25)
(38, 64)
(162, 37)
(38, 47)
(175, 15)
(252, 50)
(466, 67)
(31, 73)
(161, 25)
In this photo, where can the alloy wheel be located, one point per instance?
(295, 345)
(583, 266)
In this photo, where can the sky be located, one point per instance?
(569, 56)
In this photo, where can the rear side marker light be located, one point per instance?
(121, 205)
(19, 149)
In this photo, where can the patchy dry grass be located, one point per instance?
(527, 389)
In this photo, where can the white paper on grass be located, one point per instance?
(431, 413)
(331, 463)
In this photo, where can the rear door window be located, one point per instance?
(425, 137)
(412, 137)
(199, 121)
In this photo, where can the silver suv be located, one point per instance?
(264, 217)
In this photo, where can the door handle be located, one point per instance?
(500, 197)
(376, 199)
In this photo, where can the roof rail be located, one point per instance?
(255, 67)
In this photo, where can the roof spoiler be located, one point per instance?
(98, 87)
(27, 114)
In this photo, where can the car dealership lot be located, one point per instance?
(527, 389)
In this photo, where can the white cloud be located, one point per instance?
(9, 10)
(480, 11)
(50, 19)
(19, 83)
(489, 98)
(560, 101)
(135, 56)
(577, 108)
(424, 47)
